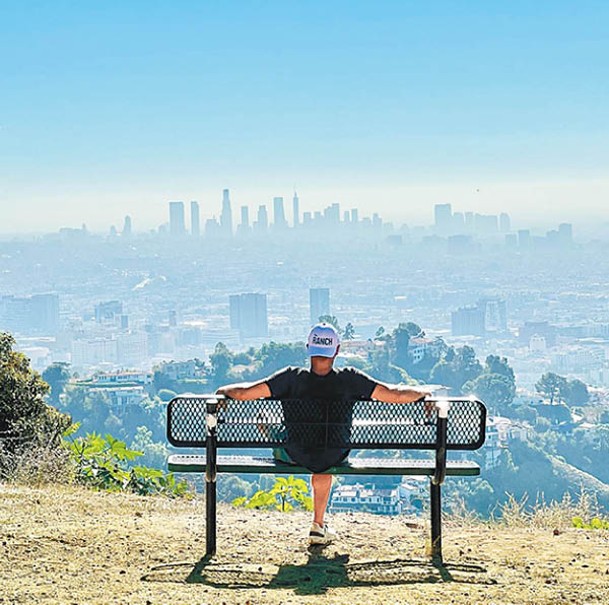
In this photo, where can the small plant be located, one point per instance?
(554, 514)
(103, 463)
(285, 495)
(594, 523)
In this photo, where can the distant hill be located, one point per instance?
(575, 479)
(526, 469)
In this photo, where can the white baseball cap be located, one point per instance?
(323, 341)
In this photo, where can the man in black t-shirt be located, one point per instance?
(326, 411)
(321, 384)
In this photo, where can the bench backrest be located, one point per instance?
(355, 425)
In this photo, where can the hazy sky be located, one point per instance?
(113, 108)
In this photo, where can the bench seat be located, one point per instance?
(184, 463)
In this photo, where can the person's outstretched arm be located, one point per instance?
(246, 390)
(393, 393)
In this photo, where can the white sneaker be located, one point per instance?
(321, 534)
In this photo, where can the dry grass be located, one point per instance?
(41, 467)
(544, 515)
(63, 545)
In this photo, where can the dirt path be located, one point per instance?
(71, 546)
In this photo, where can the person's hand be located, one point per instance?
(222, 400)
(429, 406)
(429, 409)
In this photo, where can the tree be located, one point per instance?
(154, 454)
(231, 487)
(496, 390)
(400, 339)
(380, 333)
(499, 365)
(380, 367)
(576, 393)
(330, 319)
(166, 395)
(496, 386)
(273, 356)
(26, 421)
(349, 332)
(414, 330)
(443, 373)
(221, 361)
(456, 368)
(56, 376)
(467, 365)
(552, 386)
(242, 359)
(161, 380)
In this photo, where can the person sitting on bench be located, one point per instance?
(321, 382)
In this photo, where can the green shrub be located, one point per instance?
(285, 495)
(27, 423)
(103, 463)
(594, 523)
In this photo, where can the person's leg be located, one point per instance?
(322, 484)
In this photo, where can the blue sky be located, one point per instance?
(109, 108)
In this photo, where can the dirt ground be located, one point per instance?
(74, 546)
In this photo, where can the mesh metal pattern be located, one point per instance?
(325, 424)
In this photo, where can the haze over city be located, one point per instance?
(387, 106)
(189, 189)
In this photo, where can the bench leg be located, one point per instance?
(210, 506)
(436, 522)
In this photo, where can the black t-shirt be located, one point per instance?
(325, 418)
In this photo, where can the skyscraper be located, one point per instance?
(486, 223)
(495, 314)
(262, 221)
(127, 227)
(176, 219)
(296, 210)
(279, 221)
(468, 321)
(195, 221)
(443, 217)
(487, 316)
(319, 303)
(226, 218)
(505, 224)
(212, 228)
(524, 239)
(244, 225)
(458, 222)
(248, 314)
(108, 311)
(332, 214)
(36, 314)
(565, 233)
(469, 222)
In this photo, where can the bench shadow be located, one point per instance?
(318, 574)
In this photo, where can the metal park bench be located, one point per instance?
(213, 423)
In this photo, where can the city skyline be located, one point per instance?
(389, 107)
(192, 218)
(100, 219)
